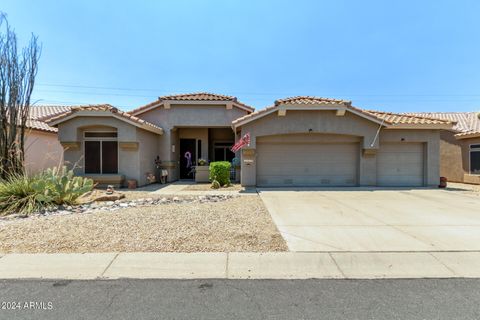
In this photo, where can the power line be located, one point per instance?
(250, 93)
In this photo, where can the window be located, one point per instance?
(101, 152)
(100, 134)
(221, 151)
(475, 159)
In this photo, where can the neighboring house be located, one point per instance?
(459, 149)
(299, 141)
(42, 148)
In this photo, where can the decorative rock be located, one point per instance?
(87, 208)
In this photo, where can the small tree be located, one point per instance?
(17, 78)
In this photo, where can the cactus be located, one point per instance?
(61, 186)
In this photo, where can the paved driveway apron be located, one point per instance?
(359, 219)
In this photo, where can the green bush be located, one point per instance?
(220, 171)
(24, 194)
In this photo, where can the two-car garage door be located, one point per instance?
(286, 164)
(307, 164)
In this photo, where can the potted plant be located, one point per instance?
(201, 171)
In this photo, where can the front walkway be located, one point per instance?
(373, 219)
(182, 188)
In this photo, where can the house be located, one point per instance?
(299, 141)
(42, 148)
(460, 148)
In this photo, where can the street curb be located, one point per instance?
(241, 265)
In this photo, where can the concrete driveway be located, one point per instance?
(359, 219)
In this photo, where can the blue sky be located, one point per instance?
(389, 55)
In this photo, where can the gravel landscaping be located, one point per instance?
(207, 187)
(223, 224)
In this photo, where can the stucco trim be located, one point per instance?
(87, 113)
(420, 126)
(71, 145)
(339, 107)
(128, 145)
(171, 103)
(461, 136)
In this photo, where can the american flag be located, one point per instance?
(244, 141)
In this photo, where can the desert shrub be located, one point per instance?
(220, 171)
(23, 194)
(215, 184)
(18, 196)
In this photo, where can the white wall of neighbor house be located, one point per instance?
(325, 126)
(42, 151)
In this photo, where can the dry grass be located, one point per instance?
(231, 225)
(207, 187)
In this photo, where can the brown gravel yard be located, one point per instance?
(238, 224)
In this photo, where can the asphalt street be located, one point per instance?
(241, 299)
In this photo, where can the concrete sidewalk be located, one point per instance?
(282, 265)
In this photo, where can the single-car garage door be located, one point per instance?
(400, 164)
(307, 164)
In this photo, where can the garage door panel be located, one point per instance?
(400, 164)
(307, 164)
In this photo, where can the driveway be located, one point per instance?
(360, 219)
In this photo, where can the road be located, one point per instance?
(243, 299)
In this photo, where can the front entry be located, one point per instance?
(187, 158)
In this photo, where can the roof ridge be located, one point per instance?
(295, 98)
(193, 96)
(200, 93)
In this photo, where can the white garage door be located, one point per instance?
(400, 164)
(307, 164)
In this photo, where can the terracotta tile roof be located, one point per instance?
(39, 114)
(386, 117)
(466, 123)
(105, 107)
(195, 96)
(199, 96)
(309, 100)
(399, 118)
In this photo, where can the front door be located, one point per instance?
(187, 158)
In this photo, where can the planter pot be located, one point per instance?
(132, 184)
(201, 173)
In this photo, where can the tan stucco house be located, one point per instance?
(299, 141)
(460, 148)
(42, 147)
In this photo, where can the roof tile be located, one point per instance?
(104, 107)
(389, 118)
(466, 123)
(195, 96)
